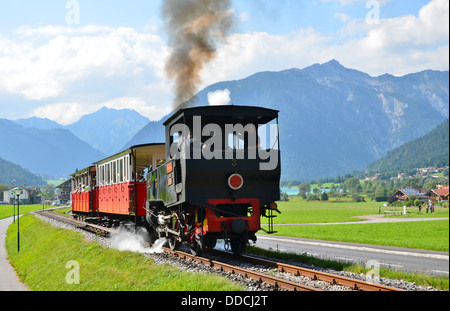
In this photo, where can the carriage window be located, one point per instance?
(120, 170)
(108, 174)
(114, 165)
(126, 176)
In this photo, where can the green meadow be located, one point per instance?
(10, 210)
(430, 235)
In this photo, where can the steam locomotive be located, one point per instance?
(215, 177)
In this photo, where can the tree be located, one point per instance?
(284, 197)
(430, 184)
(48, 192)
(304, 189)
(352, 185)
(324, 196)
(381, 191)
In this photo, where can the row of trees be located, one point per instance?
(376, 190)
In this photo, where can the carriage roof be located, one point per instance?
(145, 154)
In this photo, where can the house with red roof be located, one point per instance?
(438, 195)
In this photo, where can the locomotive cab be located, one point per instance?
(222, 173)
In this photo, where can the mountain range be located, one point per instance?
(55, 151)
(105, 130)
(333, 120)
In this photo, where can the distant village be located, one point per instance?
(420, 172)
(33, 195)
(62, 192)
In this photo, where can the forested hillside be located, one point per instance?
(10, 171)
(429, 150)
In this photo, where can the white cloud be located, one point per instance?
(68, 113)
(64, 113)
(45, 61)
(153, 112)
(245, 54)
(69, 68)
(71, 71)
(342, 17)
(398, 46)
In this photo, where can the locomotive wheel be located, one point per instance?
(177, 224)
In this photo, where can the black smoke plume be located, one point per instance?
(194, 28)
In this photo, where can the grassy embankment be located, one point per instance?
(45, 251)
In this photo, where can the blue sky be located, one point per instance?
(274, 17)
(115, 55)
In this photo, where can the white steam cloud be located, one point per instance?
(219, 98)
(126, 240)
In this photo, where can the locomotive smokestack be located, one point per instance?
(194, 28)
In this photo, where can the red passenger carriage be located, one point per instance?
(114, 189)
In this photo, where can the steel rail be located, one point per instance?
(315, 275)
(259, 277)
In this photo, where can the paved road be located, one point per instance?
(369, 219)
(8, 277)
(412, 260)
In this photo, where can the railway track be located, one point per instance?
(312, 274)
(259, 277)
(276, 282)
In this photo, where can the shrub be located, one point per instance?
(357, 198)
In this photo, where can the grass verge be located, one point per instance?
(46, 254)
